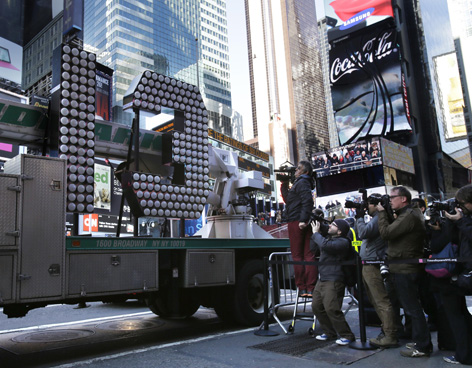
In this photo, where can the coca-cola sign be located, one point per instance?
(367, 91)
(373, 49)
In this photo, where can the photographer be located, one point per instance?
(405, 236)
(452, 295)
(373, 248)
(299, 204)
(329, 291)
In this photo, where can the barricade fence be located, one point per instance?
(282, 290)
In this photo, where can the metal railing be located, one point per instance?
(283, 292)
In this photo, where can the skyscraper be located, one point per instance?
(287, 92)
(182, 39)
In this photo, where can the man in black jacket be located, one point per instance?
(299, 205)
(453, 297)
(329, 291)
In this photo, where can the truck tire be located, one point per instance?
(249, 294)
(161, 304)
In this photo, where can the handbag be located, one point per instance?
(442, 269)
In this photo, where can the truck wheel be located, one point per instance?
(161, 304)
(249, 294)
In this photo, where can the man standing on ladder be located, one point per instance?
(299, 202)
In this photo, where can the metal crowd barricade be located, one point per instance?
(284, 293)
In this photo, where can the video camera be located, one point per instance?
(374, 199)
(435, 208)
(285, 173)
(362, 205)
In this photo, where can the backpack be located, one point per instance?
(350, 271)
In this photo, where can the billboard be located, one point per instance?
(102, 187)
(346, 158)
(103, 95)
(11, 59)
(347, 16)
(451, 100)
(369, 98)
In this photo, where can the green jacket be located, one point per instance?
(405, 236)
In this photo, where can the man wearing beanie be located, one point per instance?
(329, 291)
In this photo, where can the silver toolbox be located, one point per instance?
(210, 267)
(91, 273)
(41, 226)
(7, 279)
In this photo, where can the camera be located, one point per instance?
(285, 173)
(449, 206)
(355, 205)
(436, 207)
(384, 271)
(324, 224)
(362, 205)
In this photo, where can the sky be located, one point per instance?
(238, 57)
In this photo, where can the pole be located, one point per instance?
(362, 344)
(198, 73)
(265, 331)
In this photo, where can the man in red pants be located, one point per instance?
(299, 206)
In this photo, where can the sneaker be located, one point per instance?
(384, 342)
(410, 345)
(451, 359)
(414, 353)
(342, 341)
(322, 337)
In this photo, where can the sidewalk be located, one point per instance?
(245, 349)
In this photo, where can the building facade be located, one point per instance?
(182, 39)
(288, 99)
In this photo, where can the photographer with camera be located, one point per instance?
(299, 204)
(329, 291)
(453, 294)
(373, 248)
(405, 235)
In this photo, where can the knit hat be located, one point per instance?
(342, 225)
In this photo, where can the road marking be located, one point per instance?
(138, 351)
(33, 328)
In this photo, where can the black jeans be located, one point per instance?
(459, 318)
(406, 287)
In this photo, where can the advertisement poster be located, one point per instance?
(103, 95)
(102, 192)
(346, 16)
(397, 156)
(450, 95)
(11, 59)
(366, 86)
